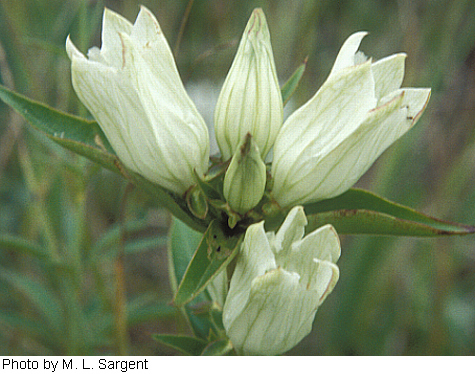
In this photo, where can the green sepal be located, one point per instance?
(197, 202)
(184, 344)
(214, 253)
(209, 187)
(362, 212)
(87, 139)
(290, 86)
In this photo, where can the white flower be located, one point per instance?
(132, 88)
(250, 100)
(329, 143)
(279, 282)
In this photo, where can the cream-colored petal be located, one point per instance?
(388, 74)
(276, 317)
(179, 132)
(291, 230)
(250, 100)
(112, 100)
(319, 126)
(72, 51)
(326, 275)
(255, 259)
(313, 259)
(113, 25)
(338, 170)
(346, 56)
(150, 42)
(414, 100)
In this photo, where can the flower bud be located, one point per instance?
(278, 284)
(245, 179)
(250, 100)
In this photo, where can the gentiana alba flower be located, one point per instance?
(132, 88)
(250, 100)
(278, 284)
(328, 144)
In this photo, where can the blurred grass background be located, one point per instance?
(83, 267)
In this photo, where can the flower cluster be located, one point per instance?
(132, 87)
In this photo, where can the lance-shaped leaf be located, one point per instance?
(362, 212)
(77, 134)
(214, 253)
(182, 243)
(87, 139)
(292, 83)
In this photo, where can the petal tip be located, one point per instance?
(72, 50)
(257, 23)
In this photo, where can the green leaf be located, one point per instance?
(87, 139)
(218, 348)
(185, 344)
(182, 243)
(362, 212)
(146, 308)
(31, 328)
(20, 245)
(290, 86)
(76, 134)
(214, 253)
(42, 299)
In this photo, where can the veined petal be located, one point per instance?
(113, 25)
(290, 231)
(179, 132)
(271, 303)
(313, 258)
(250, 100)
(339, 169)
(110, 96)
(346, 56)
(336, 110)
(276, 317)
(132, 88)
(388, 74)
(150, 42)
(326, 275)
(415, 101)
(255, 259)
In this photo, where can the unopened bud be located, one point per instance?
(245, 179)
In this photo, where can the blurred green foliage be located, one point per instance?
(83, 267)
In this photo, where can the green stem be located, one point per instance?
(182, 28)
(120, 290)
(39, 202)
